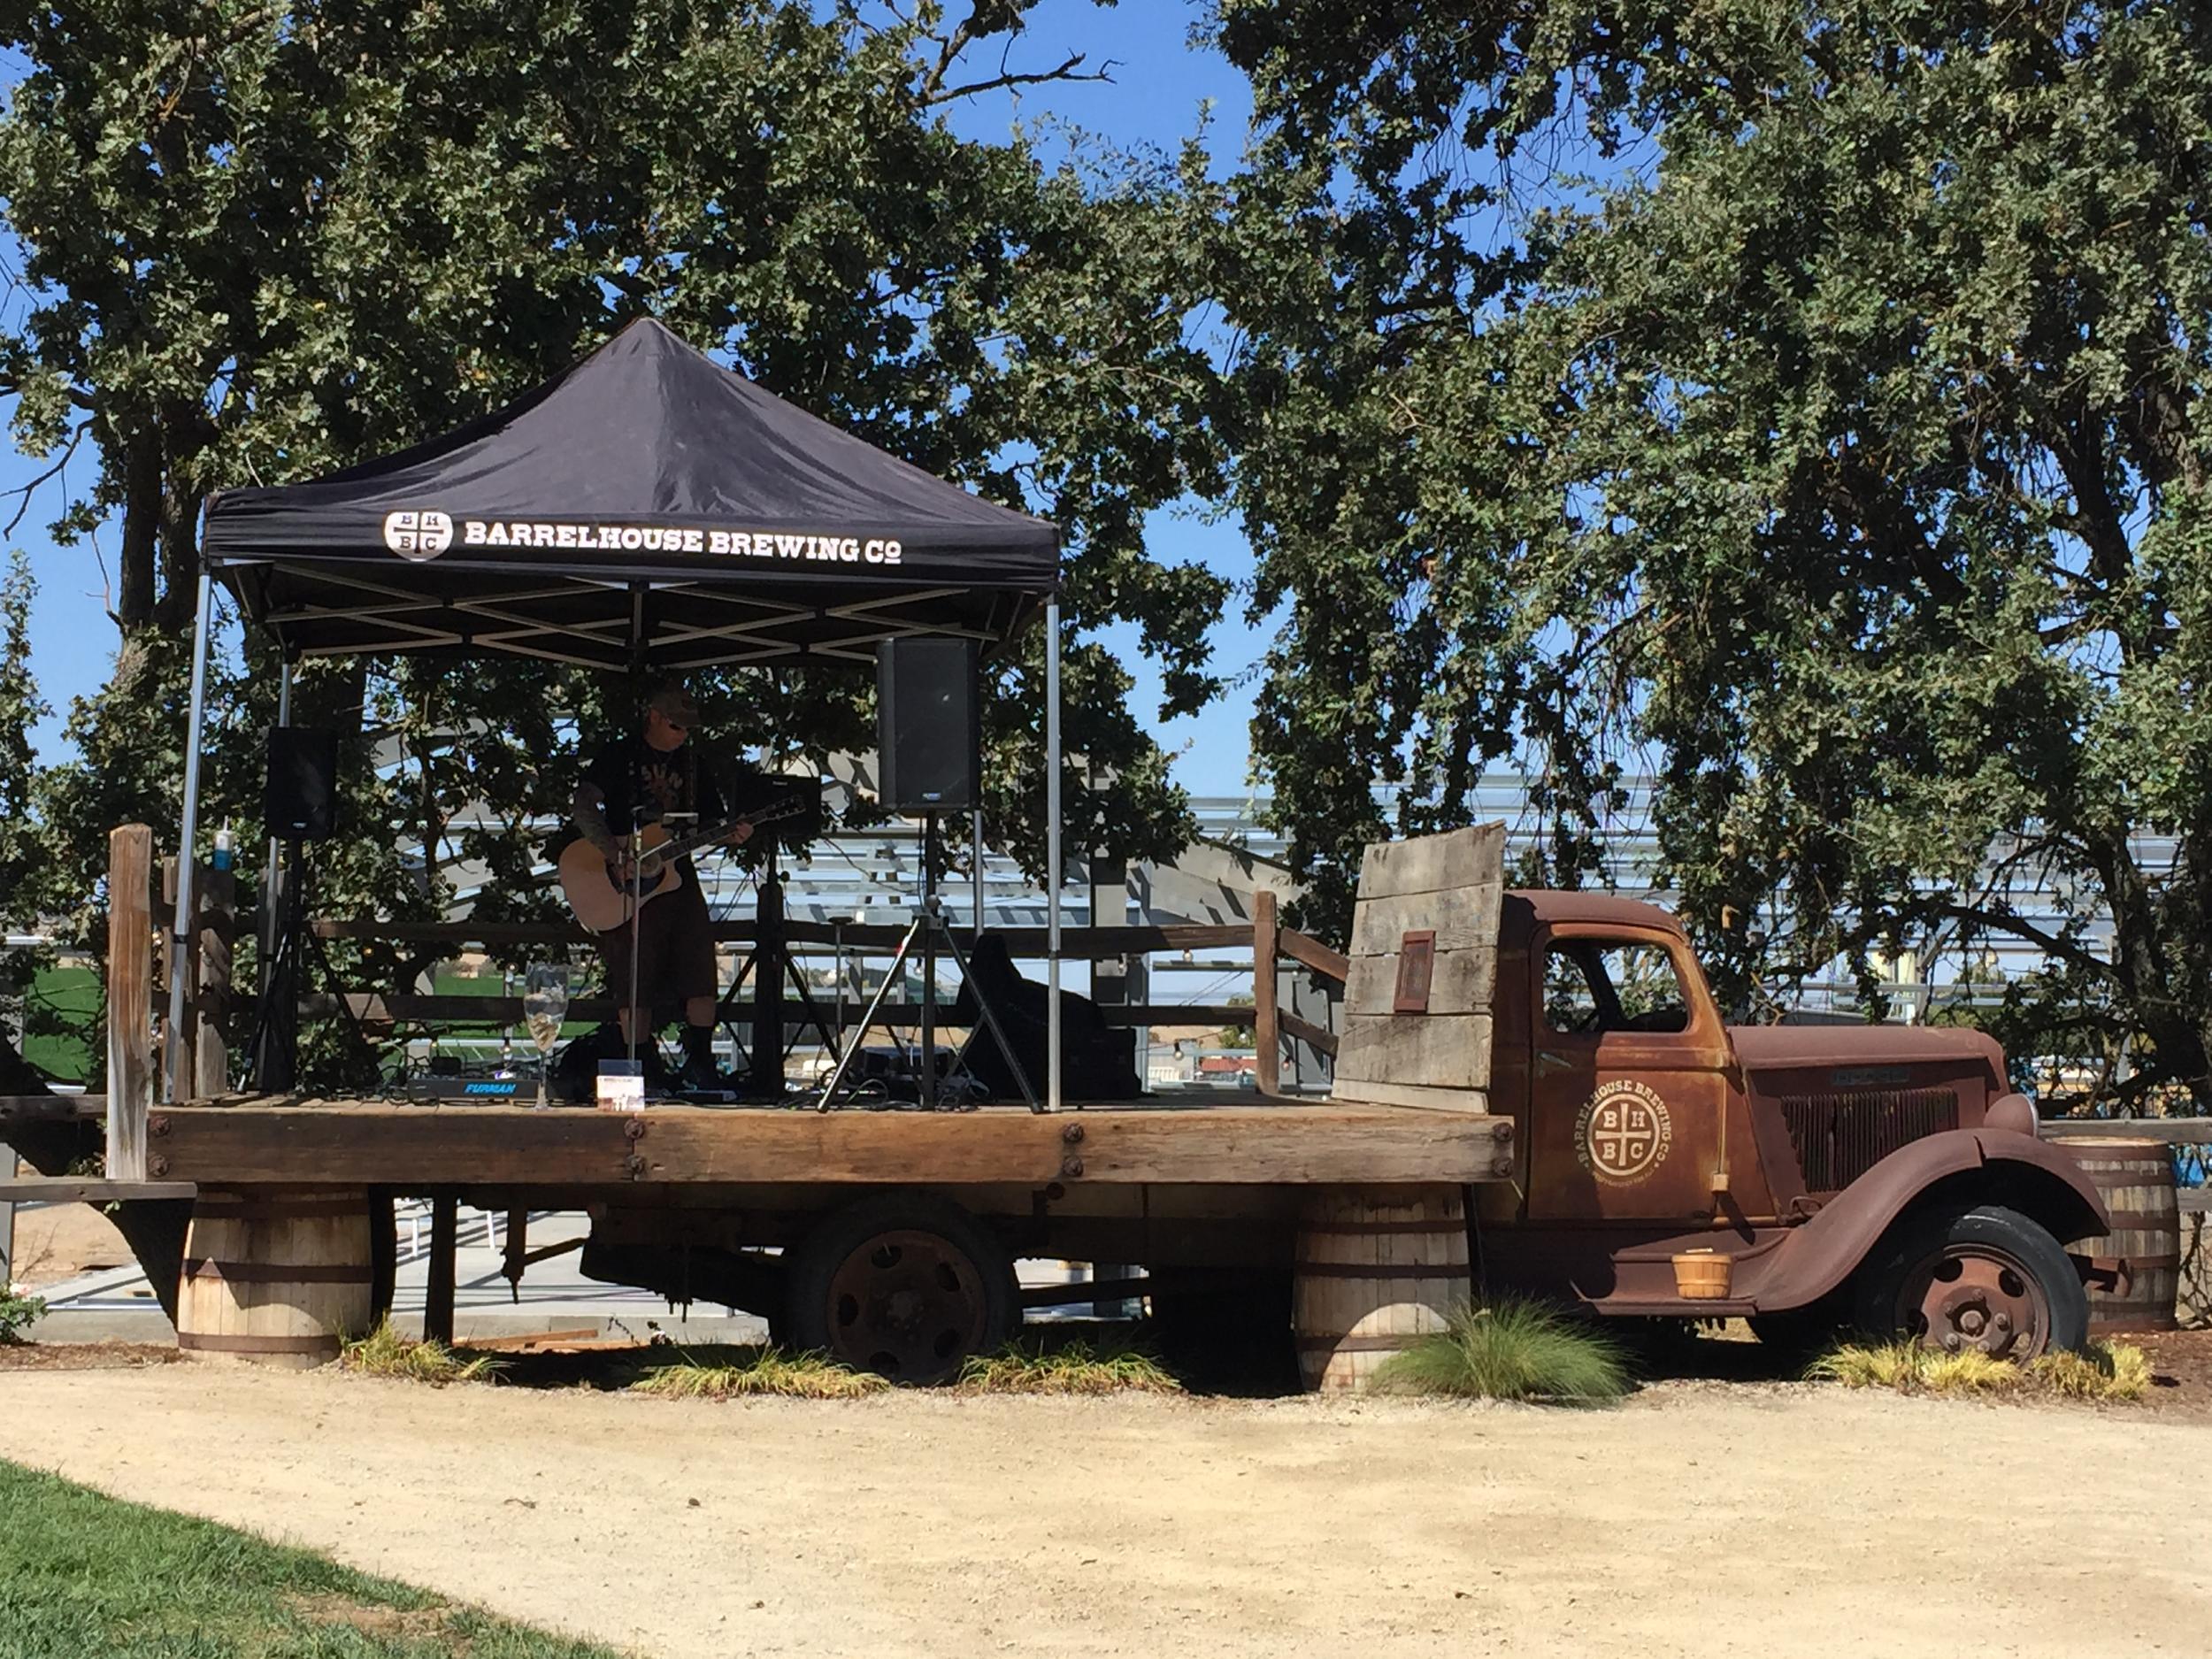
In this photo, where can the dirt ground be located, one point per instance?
(1698, 1518)
(58, 1241)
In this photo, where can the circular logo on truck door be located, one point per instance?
(1622, 1132)
(418, 536)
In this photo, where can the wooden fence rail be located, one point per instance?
(1272, 1022)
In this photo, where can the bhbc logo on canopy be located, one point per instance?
(424, 536)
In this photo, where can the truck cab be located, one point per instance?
(1809, 1157)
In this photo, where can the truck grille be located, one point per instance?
(1840, 1137)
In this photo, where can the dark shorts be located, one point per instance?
(675, 953)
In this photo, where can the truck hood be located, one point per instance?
(1789, 1047)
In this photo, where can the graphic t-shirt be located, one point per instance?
(633, 777)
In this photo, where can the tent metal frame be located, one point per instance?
(624, 655)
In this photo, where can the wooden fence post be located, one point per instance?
(445, 1241)
(1266, 1038)
(130, 999)
(9, 1169)
(169, 962)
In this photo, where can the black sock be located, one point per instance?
(699, 1045)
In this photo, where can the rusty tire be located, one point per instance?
(1987, 1277)
(905, 1285)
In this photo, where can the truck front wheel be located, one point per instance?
(1987, 1277)
(905, 1285)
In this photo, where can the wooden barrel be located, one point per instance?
(278, 1278)
(1376, 1268)
(2136, 1178)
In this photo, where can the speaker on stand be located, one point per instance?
(928, 761)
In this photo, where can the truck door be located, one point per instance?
(1630, 1079)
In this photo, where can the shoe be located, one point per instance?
(702, 1077)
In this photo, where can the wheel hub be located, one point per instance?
(907, 1304)
(1974, 1296)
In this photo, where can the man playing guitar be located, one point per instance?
(654, 776)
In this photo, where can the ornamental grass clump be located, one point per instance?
(1078, 1367)
(1511, 1350)
(384, 1351)
(732, 1373)
(2107, 1370)
(1907, 1367)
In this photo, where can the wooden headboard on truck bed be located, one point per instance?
(1423, 962)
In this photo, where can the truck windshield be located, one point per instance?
(1597, 984)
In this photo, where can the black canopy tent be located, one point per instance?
(646, 509)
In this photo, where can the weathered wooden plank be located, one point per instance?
(493, 1145)
(445, 1243)
(50, 1107)
(1452, 1100)
(216, 900)
(1312, 953)
(1021, 941)
(2175, 1131)
(182, 1060)
(1446, 862)
(1460, 982)
(130, 998)
(1305, 1031)
(67, 1189)
(1267, 1043)
(1432, 1050)
(1462, 920)
(377, 1009)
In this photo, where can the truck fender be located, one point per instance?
(1956, 1166)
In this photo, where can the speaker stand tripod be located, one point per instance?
(928, 929)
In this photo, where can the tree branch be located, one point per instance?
(1065, 71)
(26, 490)
(2002, 922)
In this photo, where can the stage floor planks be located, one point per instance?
(1159, 1140)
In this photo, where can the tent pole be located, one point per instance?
(181, 951)
(975, 864)
(270, 877)
(1052, 853)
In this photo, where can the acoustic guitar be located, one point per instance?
(601, 899)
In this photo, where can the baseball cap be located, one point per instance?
(676, 705)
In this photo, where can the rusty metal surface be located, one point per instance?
(908, 1305)
(1840, 1137)
(1975, 1296)
(1856, 1047)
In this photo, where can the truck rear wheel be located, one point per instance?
(906, 1285)
(1988, 1277)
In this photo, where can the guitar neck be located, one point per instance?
(683, 847)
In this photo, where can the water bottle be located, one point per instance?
(225, 846)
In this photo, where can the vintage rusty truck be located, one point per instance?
(1533, 1091)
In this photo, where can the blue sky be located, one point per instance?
(1159, 87)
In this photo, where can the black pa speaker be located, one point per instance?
(928, 736)
(301, 802)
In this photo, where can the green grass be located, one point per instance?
(384, 1351)
(728, 1374)
(82, 1574)
(2108, 1372)
(1039, 1365)
(1511, 1350)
